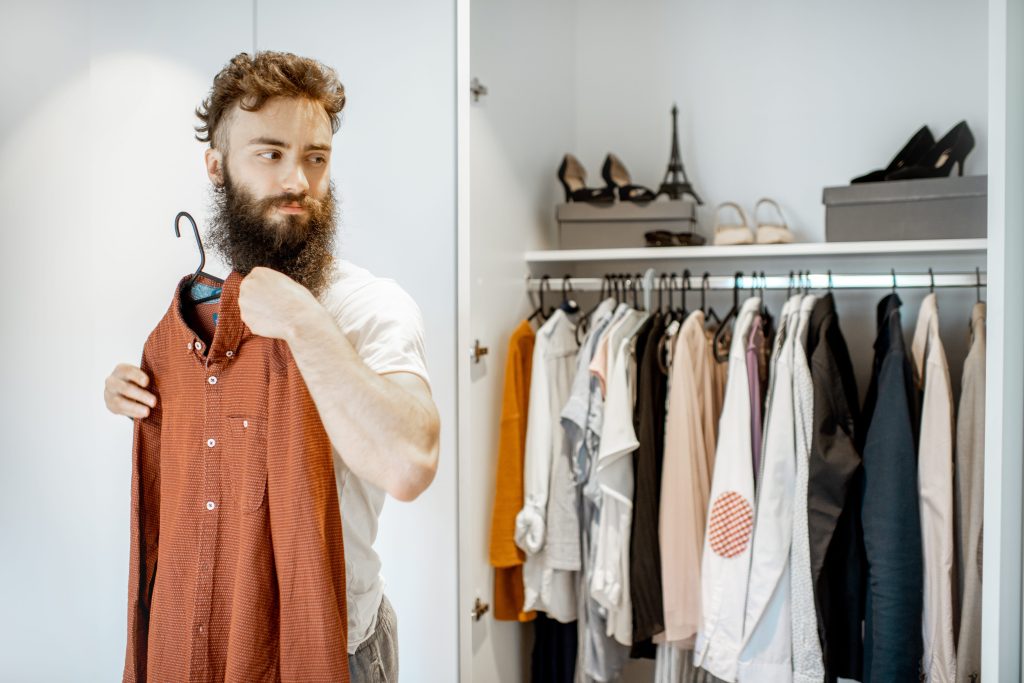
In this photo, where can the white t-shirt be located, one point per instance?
(385, 326)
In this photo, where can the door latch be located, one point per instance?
(477, 352)
(479, 609)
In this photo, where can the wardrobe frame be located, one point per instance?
(1002, 644)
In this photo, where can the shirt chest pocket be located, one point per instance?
(249, 450)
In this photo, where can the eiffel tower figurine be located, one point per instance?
(676, 184)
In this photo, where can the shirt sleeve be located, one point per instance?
(385, 326)
(145, 527)
(305, 531)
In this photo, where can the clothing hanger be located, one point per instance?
(977, 285)
(684, 290)
(767, 319)
(635, 288)
(893, 271)
(664, 282)
(584, 324)
(720, 332)
(568, 305)
(709, 313)
(539, 311)
(931, 277)
(202, 256)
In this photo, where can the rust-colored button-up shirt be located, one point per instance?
(237, 568)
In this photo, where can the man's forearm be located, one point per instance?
(383, 432)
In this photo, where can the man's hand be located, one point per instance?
(124, 394)
(271, 303)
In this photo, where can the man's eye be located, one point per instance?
(320, 160)
(270, 152)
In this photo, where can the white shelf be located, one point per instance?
(947, 246)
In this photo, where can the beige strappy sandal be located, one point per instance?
(732, 233)
(772, 233)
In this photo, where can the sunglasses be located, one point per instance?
(664, 238)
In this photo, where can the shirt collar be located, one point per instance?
(230, 330)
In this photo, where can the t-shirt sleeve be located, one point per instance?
(385, 326)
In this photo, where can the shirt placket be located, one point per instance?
(211, 500)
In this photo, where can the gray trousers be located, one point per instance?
(376, 660)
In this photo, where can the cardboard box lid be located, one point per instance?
(907, 190)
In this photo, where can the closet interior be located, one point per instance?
(785, 103)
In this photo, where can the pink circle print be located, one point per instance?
(732, 520)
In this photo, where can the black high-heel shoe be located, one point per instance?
(615, 174)
(911, 154)
(573, 177)
(938, 162)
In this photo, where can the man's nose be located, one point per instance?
(295, 181)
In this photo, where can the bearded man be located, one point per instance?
(357, 339)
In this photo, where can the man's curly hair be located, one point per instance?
(251, 81)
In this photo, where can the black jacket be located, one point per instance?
(890, 511)
(833, 496)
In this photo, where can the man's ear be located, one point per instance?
(214, 165)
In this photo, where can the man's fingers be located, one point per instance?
(124, 406)
(132, 373)
(136, 393)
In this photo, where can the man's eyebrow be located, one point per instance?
(263, 140)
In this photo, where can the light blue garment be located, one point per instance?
(602, 658)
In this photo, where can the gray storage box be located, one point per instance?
(582, 225)
(932, 208)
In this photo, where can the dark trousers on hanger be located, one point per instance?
(554, 651)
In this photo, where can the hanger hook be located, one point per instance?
(977, 281)
(545, 284)
(893, 271)
(685, 288)
(830, 279)
(704, 284)
(931, 278)
(199, 241)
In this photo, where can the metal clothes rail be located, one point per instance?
(748, 281)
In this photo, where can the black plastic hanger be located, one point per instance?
(635, 288)
(584, 322)
(977, 283)
(568, 305)
(539, 311)
(664, 282)
(202, 256)
(931, 277)
(709, 312)
(720, 332)
(684, 290)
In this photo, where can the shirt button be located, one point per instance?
(190, 346)
(245, 423)
(200, 628)
(210, 505)
(229, 354)
(199, 346)
(212, 380)
(211, 443)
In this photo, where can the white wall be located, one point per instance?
(775, 99)
(96, 156)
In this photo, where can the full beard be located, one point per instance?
(300, 245)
